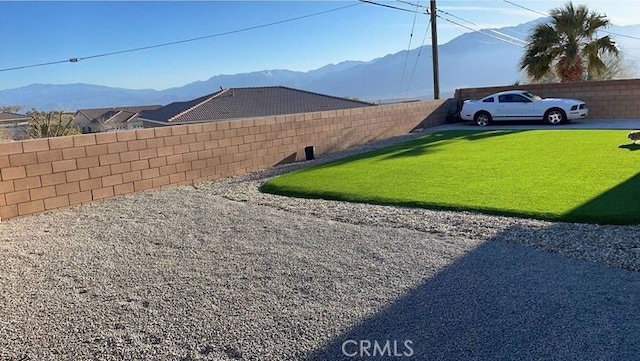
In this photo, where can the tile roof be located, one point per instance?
(111, 115)
(121, 116)
(237, 103)
(5, 116)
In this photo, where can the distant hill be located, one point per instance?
(74, 96)
(469, 60)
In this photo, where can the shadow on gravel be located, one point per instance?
(288, 159)
(504, 301)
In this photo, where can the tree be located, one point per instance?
(618, 67)
(10, 108)
(568, 45)
(51, 124)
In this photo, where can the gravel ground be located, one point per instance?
(223, 272)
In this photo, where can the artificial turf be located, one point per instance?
(586, 176)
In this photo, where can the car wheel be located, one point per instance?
(482, 119)
(555, 116)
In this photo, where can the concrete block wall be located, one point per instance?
(45, 174)
(612, 99)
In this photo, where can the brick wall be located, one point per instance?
(614, 99)
(44, 174)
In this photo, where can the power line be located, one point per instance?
(385, 5)
(478, 31)
(623, 35)
(406, 59)
(417, 5)
(526, 8)
(543, 14)
(415, 15)
(72, 60)
(492, 30)
(75, 60)
(415, 65)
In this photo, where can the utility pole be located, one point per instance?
(434, 51)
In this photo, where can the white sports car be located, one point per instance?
(522, 105)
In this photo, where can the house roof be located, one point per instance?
(7, 117)
(114, 115)
(237, 103)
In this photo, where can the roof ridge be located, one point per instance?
(214, 95)
(301, 91)
(12, 113)
(132, 115)
(113, 116)
(121, 107)
(325, 95)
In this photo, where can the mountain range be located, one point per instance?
(469, 60)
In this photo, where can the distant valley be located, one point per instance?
(470, 60)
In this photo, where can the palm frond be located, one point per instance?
(568, 44)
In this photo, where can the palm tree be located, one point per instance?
(568, 45)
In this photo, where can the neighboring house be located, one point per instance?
(237, 103)
(110, 119)
(14, 126)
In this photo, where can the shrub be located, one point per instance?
(51, 124)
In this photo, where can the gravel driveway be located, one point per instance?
(222, 272)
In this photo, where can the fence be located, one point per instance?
(613, 99)
(45, 174)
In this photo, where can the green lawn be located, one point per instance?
(561, 175)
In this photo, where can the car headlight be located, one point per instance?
(575, 107)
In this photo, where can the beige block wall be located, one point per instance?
(45, 174)
(614, 99)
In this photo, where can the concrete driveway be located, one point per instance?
(627, 124)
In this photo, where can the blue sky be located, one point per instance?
(41, 32)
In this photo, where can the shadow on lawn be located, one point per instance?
(631, 146)
(504, 301)
(618, 205)
(424, 141)
(429, 143)
(417, 147)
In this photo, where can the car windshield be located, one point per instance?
(531, 96)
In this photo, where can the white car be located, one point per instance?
(522, 105)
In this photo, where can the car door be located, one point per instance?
(514, 107)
